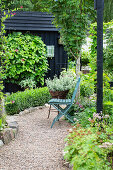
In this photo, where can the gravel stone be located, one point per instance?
(1, 143)
(37, 145)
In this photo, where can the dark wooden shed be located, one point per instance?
(41, 24)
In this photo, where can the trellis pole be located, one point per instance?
(99, 6)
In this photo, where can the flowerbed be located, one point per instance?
(92, 147)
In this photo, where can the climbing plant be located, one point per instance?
(108, 52)
(72, 18)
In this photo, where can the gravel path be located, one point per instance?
(37, 146)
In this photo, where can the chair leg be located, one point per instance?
(58, 111)
(49, 112)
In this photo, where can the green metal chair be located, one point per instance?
(68, 102)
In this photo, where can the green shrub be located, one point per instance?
(24, 57)
(85, 58)
(19, 101)
(108, 107)
(108, 51)
(82, 110)
(86, 86)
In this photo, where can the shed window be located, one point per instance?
(50, 50)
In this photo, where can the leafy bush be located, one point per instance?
(27, 83)
(84, 58)
(108, 107)
(19, 101)
(24, 57)
(82, 110)
(87, 86)
(108, 52)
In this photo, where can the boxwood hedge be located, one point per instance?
(19, 101)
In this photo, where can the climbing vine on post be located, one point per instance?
(72, 19)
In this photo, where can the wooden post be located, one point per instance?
(0, 56)
(99, 5)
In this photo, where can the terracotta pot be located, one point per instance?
(59, 94)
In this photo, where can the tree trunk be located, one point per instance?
(78, 72)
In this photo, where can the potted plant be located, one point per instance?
(59, 87)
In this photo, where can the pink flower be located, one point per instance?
(13, 101)
(77, 102)
(13, 13)
(80, 106)
(22, 59)
(16, 50)
(21, 7)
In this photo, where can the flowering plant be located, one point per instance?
(24, 57)
(88, 148)
(99, 120)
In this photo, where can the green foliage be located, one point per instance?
(85, 58)
(3, 123)
(108, 52)
(28, 83)
(19, 101)
(108, 101)
(88, 148)
(24, 56)
(82, 110)
(72, 17)
(66, 81)
(27, 4)
(108, 10)
(87, 85)
(107, 96)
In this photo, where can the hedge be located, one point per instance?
(19, 101)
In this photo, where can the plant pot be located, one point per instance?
(59, 94)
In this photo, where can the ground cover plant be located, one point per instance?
(20, 101)
(89, 148)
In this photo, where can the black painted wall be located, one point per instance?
(40, 24)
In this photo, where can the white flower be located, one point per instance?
(75, 119)
(106, 116)
(106, 145)
(89, 119)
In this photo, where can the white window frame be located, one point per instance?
(50, 51)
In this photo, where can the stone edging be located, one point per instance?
(9, 133)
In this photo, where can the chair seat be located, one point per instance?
(60, 101)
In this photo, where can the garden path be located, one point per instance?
(37, 146)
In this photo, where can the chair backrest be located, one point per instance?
(75, 91)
